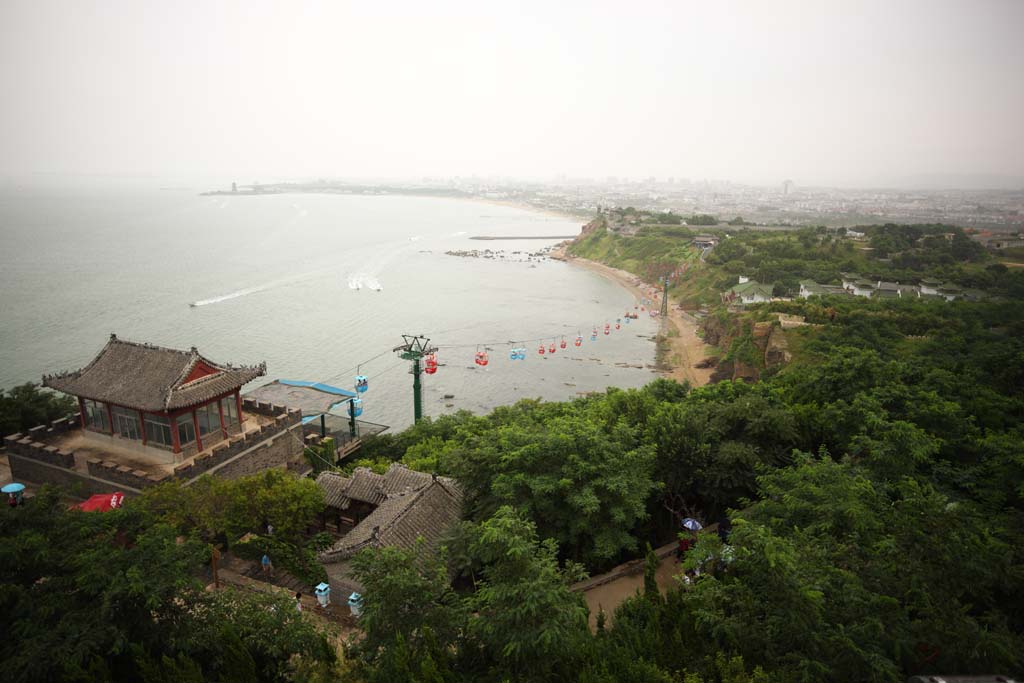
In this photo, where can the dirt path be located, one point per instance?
(608, 591)
(685, 347)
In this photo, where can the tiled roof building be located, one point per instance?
(406, 505)
(164, 398)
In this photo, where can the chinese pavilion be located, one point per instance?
(164, 398)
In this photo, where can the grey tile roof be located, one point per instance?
(367, 486)
(401, 519)
(150, 378)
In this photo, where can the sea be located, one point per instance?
(319, 286)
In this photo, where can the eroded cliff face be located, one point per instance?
(749, 349)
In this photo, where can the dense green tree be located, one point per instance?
(114, 596)
(579, 473)
(230, 510)
(409, 611)
(26, 406)
(527, 624)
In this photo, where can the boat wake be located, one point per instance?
(359, 281)
(232, 295)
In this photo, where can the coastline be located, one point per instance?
(685, 347)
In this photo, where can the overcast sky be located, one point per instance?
(823, 92)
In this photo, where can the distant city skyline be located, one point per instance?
(919, 93)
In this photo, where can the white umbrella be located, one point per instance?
(692, 524)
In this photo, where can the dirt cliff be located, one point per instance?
(749, 348)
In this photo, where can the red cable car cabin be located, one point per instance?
(563, 344)
(540, 350)
(481, 358)
(430, 364)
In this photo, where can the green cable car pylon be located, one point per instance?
(664, 299)
(415, 349)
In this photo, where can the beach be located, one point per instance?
(686, 348)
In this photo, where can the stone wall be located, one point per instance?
(37, 450)
(274, 444)
(277, 451)
(284, 424)
(122, 474)
(77, 484)
(268, 409)
(32, 444)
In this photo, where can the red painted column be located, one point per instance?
(110, 417)
(175, 439)
(223, 427)
(195, 424)
(238, 402)
(142, 427)
(81, 411)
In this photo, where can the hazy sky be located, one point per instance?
(823, 92)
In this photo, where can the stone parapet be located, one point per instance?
(122, 474)
(28, 447)
(235, 445)
(271, 410)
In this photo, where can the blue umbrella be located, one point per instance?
(13, 488)
(692, 524)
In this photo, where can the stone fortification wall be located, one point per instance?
(262, 408)
(286, 426)
(122, 474)
(76, 483)
(275, 444)
(280, 450)
(32, 444)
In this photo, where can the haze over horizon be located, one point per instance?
(866, 94)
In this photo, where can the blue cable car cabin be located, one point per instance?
(362, 383)
(355, 407)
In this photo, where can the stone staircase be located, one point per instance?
(279, 578)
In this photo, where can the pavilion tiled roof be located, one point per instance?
(402, 519)
(150, 378)
(366, 486)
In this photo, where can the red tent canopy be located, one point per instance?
(102, 502)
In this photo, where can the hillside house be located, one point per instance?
(809, 288)
(749, 292)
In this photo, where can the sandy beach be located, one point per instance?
(685, 348)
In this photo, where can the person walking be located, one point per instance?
(298, 601)
(268, 568)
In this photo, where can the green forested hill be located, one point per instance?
(875, 490)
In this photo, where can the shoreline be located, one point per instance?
(685, 347)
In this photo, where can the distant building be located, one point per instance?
(849, 279)
(809, 288)
(705, 241)
(749, 292)
(862, 288)
(930, 286)
(997, 242)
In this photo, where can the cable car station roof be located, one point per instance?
(312, 398)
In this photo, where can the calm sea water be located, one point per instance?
(274, 278)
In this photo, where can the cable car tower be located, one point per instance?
(415, 348)
(664, 298)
